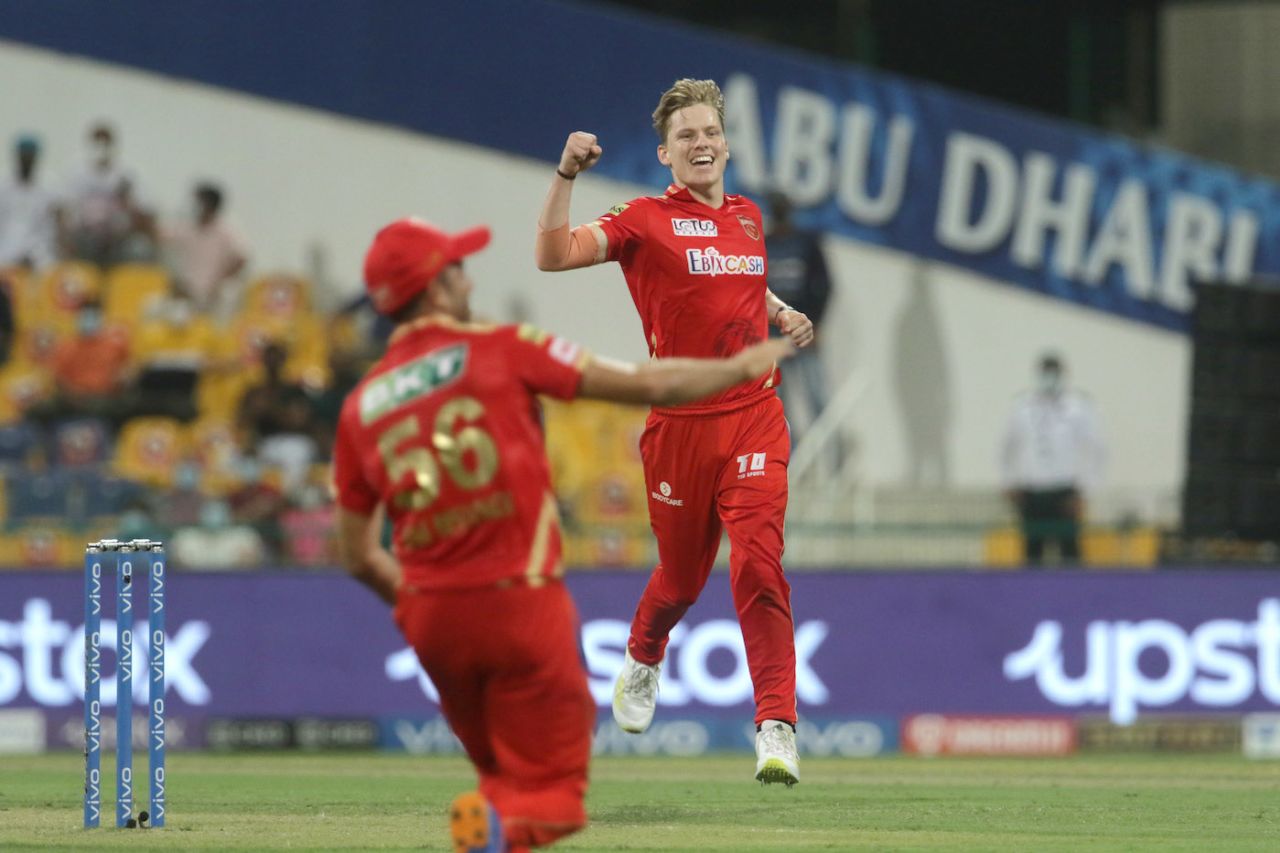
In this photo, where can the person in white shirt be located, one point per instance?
(102, 213)
(28, 213)
(1051, 456)
(206, 253)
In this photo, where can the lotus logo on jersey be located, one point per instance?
(694, 228)
(711, 262)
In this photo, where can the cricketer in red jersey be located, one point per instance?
(443, 433)
(694, 261)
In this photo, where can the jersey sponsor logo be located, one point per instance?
(408, 382)
(749, 225)
(663, 495)
(563, 351)
(751, 465)
(617, 209)
(694, 228)
(711, 262)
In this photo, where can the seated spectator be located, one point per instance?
(259, 502)
(279, 421)
(206, 253)
(180, 505)
(102, 217)
(90, 371)
(138, 521)
(171, 352)
(308, 528)
(217, 542)
(28, 213)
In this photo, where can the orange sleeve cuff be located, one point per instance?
(562, 249)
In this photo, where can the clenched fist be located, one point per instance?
(580, 153)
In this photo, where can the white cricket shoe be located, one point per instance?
(635, 695)
(776, 757)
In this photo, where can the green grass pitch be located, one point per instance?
(296, 801)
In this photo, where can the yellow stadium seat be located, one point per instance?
(22, 384)
(65, 287)
(21, 290)
(132, 290)
(149, 450)
(213, 441)
(42, 545)
(277, 296)
(195, 343)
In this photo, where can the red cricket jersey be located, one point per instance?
(444, 430)
(697, 277)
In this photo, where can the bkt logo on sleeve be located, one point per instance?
(694, 228)
(1129, 666)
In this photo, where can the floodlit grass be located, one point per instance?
(375, 801)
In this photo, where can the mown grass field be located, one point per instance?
(296, 801)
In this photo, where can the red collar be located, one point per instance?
(679, 193)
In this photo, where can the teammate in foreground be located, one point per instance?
(694, 261)
(443, 435)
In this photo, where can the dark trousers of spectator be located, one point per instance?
(1050, 516)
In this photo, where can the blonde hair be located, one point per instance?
(686, 93)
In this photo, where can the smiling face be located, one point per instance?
(695, 148)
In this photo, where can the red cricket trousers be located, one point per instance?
(506, 663)
(708, 473)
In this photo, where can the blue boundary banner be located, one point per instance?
(1038, 203)
(868, 646)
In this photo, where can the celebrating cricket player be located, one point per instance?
(694, 261)
(443, 435)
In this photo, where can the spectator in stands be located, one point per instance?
(28, 212)
(171, 351)
(798, 276)
(259, 503)
(206, 253)
(180, 505)
(90, 371)
(217, 542)
(103, 222)
(7, 325)
(1052, 454)
(278, 419)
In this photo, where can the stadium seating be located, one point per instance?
(36, 497)
(132, 292)
(81, 443)
(62, 290)
(17, 441)
(148, 450)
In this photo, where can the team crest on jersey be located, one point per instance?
(410, 381)
(694, 228)
(749, 225)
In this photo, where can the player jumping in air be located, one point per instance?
(694, 261)
(443, 434)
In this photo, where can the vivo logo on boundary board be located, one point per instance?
(1210, 663)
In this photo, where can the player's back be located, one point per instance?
(446, 432)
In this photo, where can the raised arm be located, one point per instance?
(558, 247)
(671, 381)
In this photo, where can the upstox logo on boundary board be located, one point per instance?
(409, 381)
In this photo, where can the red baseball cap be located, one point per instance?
(407, 254)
